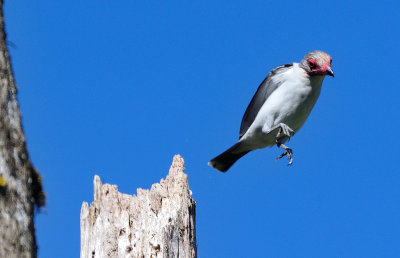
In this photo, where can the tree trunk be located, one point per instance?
(156, 223)
(20, 185)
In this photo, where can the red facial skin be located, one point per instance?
(316, 69)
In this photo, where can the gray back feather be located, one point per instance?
(263, 92)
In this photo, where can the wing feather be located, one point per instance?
(263, 92)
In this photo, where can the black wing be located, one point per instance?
(263, 92)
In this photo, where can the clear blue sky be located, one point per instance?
(116, 88)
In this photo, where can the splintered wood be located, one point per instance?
(154, 223)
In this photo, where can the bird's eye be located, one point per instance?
(311, 63)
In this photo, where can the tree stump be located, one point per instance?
(154, 223)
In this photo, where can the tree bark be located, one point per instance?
(155, 223)
(20, 184)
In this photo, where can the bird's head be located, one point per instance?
(317, 63)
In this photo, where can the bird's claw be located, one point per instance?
(289, 153)
(285, 130)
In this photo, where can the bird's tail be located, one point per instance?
(225, 160)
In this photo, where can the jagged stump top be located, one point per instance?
(153, 223)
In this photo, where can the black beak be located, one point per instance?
(329, 71)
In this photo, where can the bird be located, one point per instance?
(279, 108)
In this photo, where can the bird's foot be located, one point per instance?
(288, 151)
(284, 130)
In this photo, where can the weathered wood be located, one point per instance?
(20, 185)
(154, 223)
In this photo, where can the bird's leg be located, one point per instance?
(284, 132)
(283, 135)
(288, 152)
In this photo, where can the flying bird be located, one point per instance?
(279, 108)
